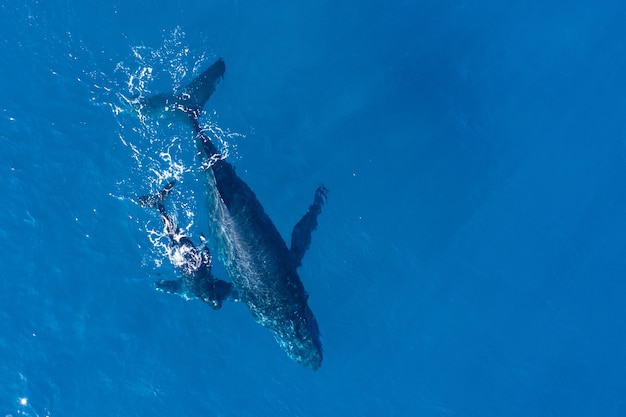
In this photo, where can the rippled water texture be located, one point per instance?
(469, 260)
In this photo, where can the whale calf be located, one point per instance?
(262, 268)
(197, 280)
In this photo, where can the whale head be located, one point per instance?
(300, 339)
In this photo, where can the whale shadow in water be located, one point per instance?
(263, 270)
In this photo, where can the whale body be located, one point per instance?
(263, 270)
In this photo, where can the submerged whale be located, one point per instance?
(263, 270)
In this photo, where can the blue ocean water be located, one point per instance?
(470, 260)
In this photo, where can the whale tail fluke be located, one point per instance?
(154, 199)
(195, 95)
(189, 101)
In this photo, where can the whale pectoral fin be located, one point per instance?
(301, 234)
(173, 287)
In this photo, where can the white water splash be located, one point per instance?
(160, 149)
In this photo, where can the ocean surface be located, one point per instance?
(470, 260)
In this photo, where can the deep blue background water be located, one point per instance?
(470, 260)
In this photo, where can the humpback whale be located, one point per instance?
(197, 281)
(263, 270)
